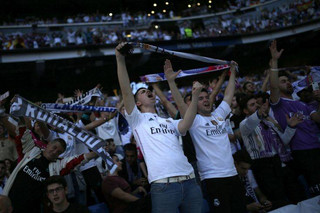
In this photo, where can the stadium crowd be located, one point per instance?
(132, 19)
(231, 24)
(250, 145)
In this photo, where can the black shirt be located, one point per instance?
(74, 208)
(27, 189)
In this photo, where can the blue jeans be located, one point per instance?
(169, 197)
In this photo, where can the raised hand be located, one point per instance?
(196, 88)
(168, 71)
(124, 49)
(263, 110)
(78, 93)
(233, 66)
(295, 119)
(275, 54)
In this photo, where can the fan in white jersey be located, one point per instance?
(158, 141)
(222, 186)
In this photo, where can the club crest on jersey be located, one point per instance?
(168, 121)
(214, 122)
(220, 119)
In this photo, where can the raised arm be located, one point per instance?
(167, 104)
(228, 94)
(264, 86)
(191, 112)
(171, 76)
(124, 81)
(217, 88)
(274, 75)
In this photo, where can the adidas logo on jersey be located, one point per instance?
(207, 124)
(151, 119)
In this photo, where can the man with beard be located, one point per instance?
(305, 144)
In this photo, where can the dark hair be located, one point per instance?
(244, 101)
(55, 179)
(109, 140)
(61, 141)
(283, 73)
(265, 96)
(190, 94)
(130, 147)
(136, 93)
(245, 84)
(239, 96)
(242, 156)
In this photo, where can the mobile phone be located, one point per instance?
(315, 86)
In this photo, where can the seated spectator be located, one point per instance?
(56, 191)
(5, 204)
(132, 171)
(119, 196)
(255, 199)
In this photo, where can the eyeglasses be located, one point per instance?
(57, 190)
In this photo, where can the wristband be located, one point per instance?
(274, 70)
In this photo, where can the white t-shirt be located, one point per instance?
(158, 140)
(109, 130)
(212, 144)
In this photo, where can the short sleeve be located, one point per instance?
(133, 118)
(175, 124)
(223, 110)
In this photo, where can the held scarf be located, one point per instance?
(56, 108)
(161, 77)
(86, 97)
(76, 108)
(179, 54)
(4, 96)
(23, 107)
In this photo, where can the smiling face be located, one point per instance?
(53, 150)
(203, 104)
(56, 193)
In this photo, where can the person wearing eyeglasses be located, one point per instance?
(56, 192)
(267, 143)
